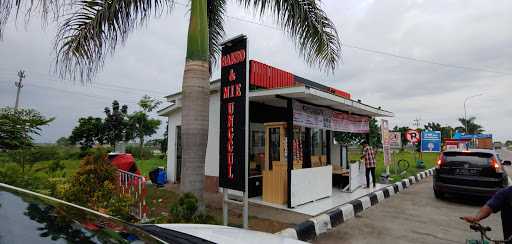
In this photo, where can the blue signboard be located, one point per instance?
(471, 136)
(430, 141)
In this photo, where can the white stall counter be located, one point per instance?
(310, 184)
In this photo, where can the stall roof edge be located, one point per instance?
(300, 93)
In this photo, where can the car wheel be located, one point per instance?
(438, 195)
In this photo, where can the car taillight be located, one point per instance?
(440, 161)
(496, 166)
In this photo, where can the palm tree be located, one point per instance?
(471, 125)
(92, 29)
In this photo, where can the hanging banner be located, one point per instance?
(322, 118)
(233, 100)
(386, 141)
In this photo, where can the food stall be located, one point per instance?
(293, 156)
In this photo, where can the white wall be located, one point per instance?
(174, 120)
(212, 150)
(310, 184)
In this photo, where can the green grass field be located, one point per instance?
(429, 159)
(71, 166)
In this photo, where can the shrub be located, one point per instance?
(95, 185)
(135, 152)
(13, 175)
(185, 210)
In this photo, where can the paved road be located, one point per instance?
(414, 216)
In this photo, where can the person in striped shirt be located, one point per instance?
(369, 162)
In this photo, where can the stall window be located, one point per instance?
(318, 143)
(256, 148)
(275, 147)
(318, 147)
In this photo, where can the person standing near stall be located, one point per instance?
(369, 163)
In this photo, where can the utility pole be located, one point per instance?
(417, 122)
(19, 85)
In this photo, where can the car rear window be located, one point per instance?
(474, 159)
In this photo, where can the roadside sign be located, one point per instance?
(234, 126)
(413, 136)
(395, 139)
(431, 141)
(386, 142)
(233, 100)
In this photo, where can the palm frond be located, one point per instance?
(95, 29)
(47, 9)
(309, 27)
(216, 10)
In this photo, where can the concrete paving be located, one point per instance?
(415, 216)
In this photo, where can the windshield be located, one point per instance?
(28, 219)
(474, 159)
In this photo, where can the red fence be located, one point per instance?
(135, 186)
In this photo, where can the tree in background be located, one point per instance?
(116, 127)
(433, 126)
(471, 125)
(87, 133)
(92, 30)
(375, 134)
(140, 124)
(508, 143)
(347, 138)
(63, 141)
(446, 132)
(17, 126)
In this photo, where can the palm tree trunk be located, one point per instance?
(195, 101)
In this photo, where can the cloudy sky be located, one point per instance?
(418, 59)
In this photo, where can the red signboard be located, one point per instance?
(413, 136)
(233, 100)
(264, 76)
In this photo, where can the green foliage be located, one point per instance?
(94, 186)
(135, 152)
(18, 125)
(471, 125)
(55, 166)
(148, 104)
(433, 126)
(88, 132)
(375, 134)
(139, 122)
(346, 138)
(12, 174)
(63, 141)
(116, 126)
(185, 210)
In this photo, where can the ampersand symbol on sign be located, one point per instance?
(232, 75)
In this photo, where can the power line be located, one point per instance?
(425, 61)
(114, 88)
(78, 93)
(53, 78)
